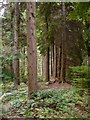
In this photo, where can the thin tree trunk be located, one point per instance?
(54, 67)
(63, 57)
(58, 65)
(47, 52)
(16, 44)
(31, 48)
(60, 62)
(47, 65)
(44, 67)
(51, 61)
(56, 62)
(23, 62)
(12, 34)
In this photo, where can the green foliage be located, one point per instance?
(45, 103)
(80, 11)
(45, 16)
(23, 76)
(55, 104)
(78, 76)
(9, 87)
(7, 75)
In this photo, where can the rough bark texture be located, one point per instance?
(47, 52)
(12, 34)
(63, 57)
(16, 44)
(54, 67)
(31, 48)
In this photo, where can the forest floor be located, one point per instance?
(57, 85)
(51, 101)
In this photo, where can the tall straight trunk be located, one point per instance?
(12, 34)
(47, 52)
(16, 43)
(51, 60)
(54, 67)
(31, 48)
(47, 65)
(23, 62)
(60, 54)
(44, 67)
(24, 59)
(58, 63)
(63, 57)
(55, 72)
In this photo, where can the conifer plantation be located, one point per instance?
(44, 60)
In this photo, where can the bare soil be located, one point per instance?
(57, 85)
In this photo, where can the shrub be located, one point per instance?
(7, 75)
(78, 76)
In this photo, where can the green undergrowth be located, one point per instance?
(61, 103)
(79, 76)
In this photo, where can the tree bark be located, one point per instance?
(54, 67)
(47, 52)
(23, 62)
(56, 62)
(44, 67)
(51, 60)
(16, 44)
(31, 48)
(63, 57)
(47, 65)
(60, 54)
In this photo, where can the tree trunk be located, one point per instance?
(47, 52)
(54, 67)
(63, 57)
(47, 65)
(31, 48)
(44, 67)
(16, 44)
(51, 61)
(60, 54)
(56, 62)
(23, 61)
